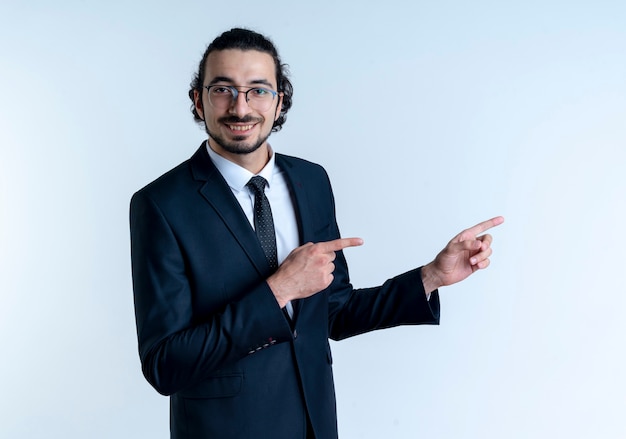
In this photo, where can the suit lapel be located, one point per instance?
(216, 192)
(300, 197)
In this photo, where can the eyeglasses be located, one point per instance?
(223, 96)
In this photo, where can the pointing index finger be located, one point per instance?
(340, 244)
(484, 226)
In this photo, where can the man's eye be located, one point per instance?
(259, 91)
(220, 90)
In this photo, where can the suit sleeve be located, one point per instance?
(176, 351)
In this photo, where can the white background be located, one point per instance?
(459, 111)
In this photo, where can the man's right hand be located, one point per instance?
(307, 270)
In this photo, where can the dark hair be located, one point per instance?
(244, 39)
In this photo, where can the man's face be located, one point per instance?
(238, 128)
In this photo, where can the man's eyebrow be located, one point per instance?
(229, 80)
(262, 82)
(220, 79)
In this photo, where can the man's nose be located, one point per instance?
(239, 105)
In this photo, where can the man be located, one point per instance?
(239, 282)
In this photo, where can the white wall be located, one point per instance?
(462, 110)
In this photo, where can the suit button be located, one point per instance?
(295, 333)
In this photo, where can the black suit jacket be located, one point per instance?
(211, 334)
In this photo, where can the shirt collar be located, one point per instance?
(236, 176)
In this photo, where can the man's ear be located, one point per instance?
(197, 101)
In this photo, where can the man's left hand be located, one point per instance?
(465, 253)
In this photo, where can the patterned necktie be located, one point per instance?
(263, 221)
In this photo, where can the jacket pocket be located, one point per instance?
(222, 386)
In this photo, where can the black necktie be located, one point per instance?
(263, 221)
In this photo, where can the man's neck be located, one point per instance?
(253, 162)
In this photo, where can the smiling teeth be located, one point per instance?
(240, 127)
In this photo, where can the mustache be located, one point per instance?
(235, 119)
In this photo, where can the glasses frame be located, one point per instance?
(234, 91)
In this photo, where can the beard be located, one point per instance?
(238, 145)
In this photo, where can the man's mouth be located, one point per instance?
(240, 127)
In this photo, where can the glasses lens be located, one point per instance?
(260, 98)
(221, 97)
